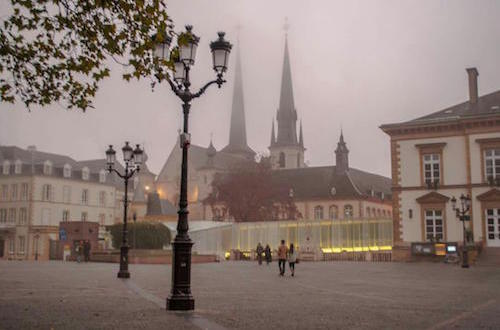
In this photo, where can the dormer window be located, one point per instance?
(47, 167)
(18, 167)
(6, 167)
(67, 171)
(85, 173)
(102, 176)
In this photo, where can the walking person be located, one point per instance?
(292, 258)
(86, 251)
(259, 251)
(267, 253)
(282, 254)
(79, 251)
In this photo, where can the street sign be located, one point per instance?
(62, 234)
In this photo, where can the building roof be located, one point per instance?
(318, 183)
(486, 106)
(158, 206)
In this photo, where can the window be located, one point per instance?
(24, 191)
(47, 168)
(67, 194)
(333, 212)
(102, 198)
(431, 168)
(318, 212)
(18, 167)
(67, 171)
(492, 163)
(3, 215)
(85, 196)
(6, 167)
(102, 219)
(282, 160)
(46, 192)
(65, 215)
(5, 192)
(102, 176)
(85, 173)
(23, 216)
(22, 243)
(434, 225)
(12, 215)
(12, 246)
(84, 216)
(13, 192)
(348, 211)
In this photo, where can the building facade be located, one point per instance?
(443, 155)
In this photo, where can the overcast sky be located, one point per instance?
(355, 64)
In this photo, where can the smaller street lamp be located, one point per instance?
(133, 161)
(461, 214)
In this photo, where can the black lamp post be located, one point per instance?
(461, 213)
(183, 57)
(133, 161)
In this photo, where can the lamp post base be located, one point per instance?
(465, 261)
(124, 273)
(180, 303)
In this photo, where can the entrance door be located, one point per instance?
(493, 227)
(2, 244)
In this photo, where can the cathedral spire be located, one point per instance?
(341, 156)
(237, 134)
(287, 115)
(273, 136)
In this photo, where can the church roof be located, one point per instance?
(317, 183)
(158, 206)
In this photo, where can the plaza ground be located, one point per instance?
(243, 295)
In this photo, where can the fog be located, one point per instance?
(355, 65)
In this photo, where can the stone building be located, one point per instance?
(444, 154)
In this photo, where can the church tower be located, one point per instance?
(287, 151)
(237, 134)
(341, 156)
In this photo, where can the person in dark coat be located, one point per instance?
(259, 251)
(267, 252)
(86, 250)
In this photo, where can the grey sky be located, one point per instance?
(355, 64)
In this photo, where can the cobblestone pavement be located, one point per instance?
(243, 295)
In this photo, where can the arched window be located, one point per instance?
(67, 171)
(18, 167)
(379, 214)
(374, 213)
(333, 212)
(47, 167)
(282, 160)
(85, 173)
(102, 176)
(6, 167)
(348, 211)
(318, 212)
(368, 212)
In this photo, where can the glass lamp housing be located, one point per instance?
(453, 203)
(162, 46)
(110, 157)
(188, 44)
(138, 155)
(127, 152)
(221, 49)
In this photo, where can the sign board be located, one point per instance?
(62, 234)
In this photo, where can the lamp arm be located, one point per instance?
(219, 81)
(174, 87)
(117, 173)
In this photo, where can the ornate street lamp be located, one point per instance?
(183, 57)
(461, 213)
(133, 161)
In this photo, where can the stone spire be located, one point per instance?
(287, 115)
(237, 134)
(273, 136)
(211, 152)
(342, 156)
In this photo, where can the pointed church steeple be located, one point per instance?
(341, 156)
(237, 134)
(287, 115)
(273, 136)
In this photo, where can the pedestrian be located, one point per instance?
(78, 251)
(267, 252)
(86, 250)
(259, 251)
(292, 258)
(282, 254)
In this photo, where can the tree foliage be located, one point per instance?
(148, 235)
(60, 50)
(248, 193)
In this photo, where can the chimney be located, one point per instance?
(472, 72)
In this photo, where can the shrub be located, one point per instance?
(148, 235)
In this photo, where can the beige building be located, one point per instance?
(447, 153)
(39, 190)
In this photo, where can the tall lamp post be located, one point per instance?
(183, 57)
(461, 213)
(133, 161)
